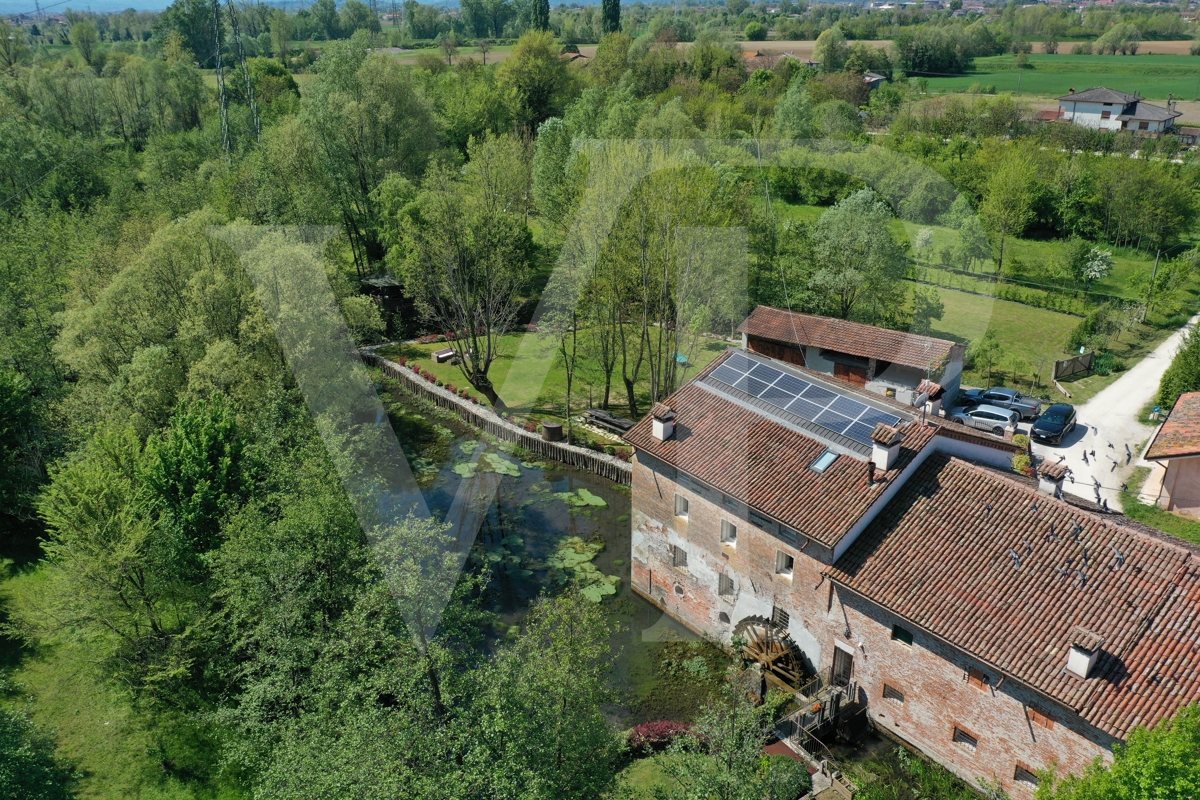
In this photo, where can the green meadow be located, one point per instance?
(1154, 76)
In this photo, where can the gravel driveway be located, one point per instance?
(1103, 448)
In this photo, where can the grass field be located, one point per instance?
(530, 390)
(1135, 507)
(1154, 76)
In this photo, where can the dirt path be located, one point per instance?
(1109, 430)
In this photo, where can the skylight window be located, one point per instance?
(823, 461)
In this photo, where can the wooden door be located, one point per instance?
(843, 666)
(855, 375)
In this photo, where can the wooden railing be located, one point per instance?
(602, 464)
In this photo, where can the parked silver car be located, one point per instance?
(988, 418)
(998, 396)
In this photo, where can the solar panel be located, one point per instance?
(765, 373)
(848, 407)
(792, 384)
(726, 375)
(739, 362)
(831, 410)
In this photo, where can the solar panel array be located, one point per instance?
(818, 404)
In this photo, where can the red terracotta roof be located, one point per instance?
(1180, 434)
(763, 463)
(1004, 586)
(866, 341)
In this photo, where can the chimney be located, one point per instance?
(933, 393)
(885, 446)
(1050, 477)
(870, 474)
(664, 421)
(1085, 649)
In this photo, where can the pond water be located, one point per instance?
(550, 525)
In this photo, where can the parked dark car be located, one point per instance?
(1027, 407)
(1055, 422)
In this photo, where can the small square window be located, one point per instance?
(892, 693)
(902, 635)
(759, 521)
(678, 556)
(965, 740)
(1105, 115)
(784, 564)
(1023, 774)
(978, 678)
(823, 461)
(780, 617)
(1040, 718)
(728, 532)
(724, 585)
(681, 506)
(728, 501)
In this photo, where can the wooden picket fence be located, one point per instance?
(485, 419)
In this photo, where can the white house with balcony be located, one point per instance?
(1111, 110)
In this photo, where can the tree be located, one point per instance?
(755, 32)
(1183, 375)
(722, 758)
(1007, 207)
(831, 49)
(19, 463)
(793, 113)
(85, 39)
(858, 266)
(192, 20)
(539, 728)
(449, 47)
(468, 252)
(538, 76)
(281, 34)
(610, 14)
(29, 768)
(1158, 762)
(13, 45)
(736, 7)
(541, 15)
(985, 354)
(612, 58)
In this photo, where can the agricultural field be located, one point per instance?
(1154, 76)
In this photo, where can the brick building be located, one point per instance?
(892, 363)
(978, 616)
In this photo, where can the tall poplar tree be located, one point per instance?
(610, 16)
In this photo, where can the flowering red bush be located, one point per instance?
(531, 328)
(451, 388)
(402, 361)
(530, 426)
(654, 737)
(416, 368)
(429, 339)
(474, 399)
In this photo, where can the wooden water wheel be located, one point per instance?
(772, 648)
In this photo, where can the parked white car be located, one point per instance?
(988, 418)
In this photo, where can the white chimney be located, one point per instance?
(664, 422)
(885, 446)
(1085, 649)
(1050, 477)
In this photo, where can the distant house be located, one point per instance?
(1176, 445)
(1111, 110)
(874, 80)
(883, 361)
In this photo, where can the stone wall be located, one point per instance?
(931, 675)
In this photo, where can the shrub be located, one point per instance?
(1021, 440)
(1021, 464)
(654, 737)
(530, 426)
(402, 361)
(439, 383)
(610, 450)
(1106, 363)
(474, 399)
(756, 32)
(441, 337)
(451, 388)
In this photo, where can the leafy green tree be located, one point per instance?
(553, 187)
(1183, 375)
(19, 463)
(13, 46)
(1007, 207)
(610, 12)
(325, 13)
(1159, 762)
(193, 21)
(357, 16)
(29, 768)
(541, 15)
(723, 757)
(468, 252)
(538, 76)
(858, 266)
(281, 34)
(86, 40)
(612, 58)
(540, 732)
(794, 114)
(755, 32)
(831, 49)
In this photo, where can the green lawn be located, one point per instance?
(1136, 508)
(640, 779)
(529, 390)
(1154, 76)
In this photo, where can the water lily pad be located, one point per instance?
(602, 588)
(534, 464)
(591, 499)
(512, 540)
(468, 446)
(500, 464)
(466, 469)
